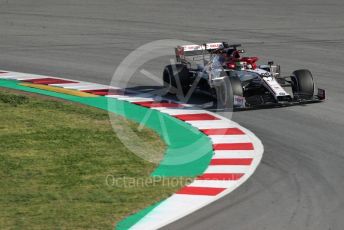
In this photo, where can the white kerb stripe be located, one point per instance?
(65, 85)
(217, 139)
(227, 169)
(214, 183)
(26, 77)
(221, 154)
(212, 124)
(90, 87)
(94, 87)
(119, 97)
(77, 85)
(136, 99)
(172, 111)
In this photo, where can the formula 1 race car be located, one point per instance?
(221, 71)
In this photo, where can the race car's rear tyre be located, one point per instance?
(303, 83)
(176, 79)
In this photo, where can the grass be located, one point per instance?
(62, 166)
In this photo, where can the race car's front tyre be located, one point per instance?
(303, 83)
(236, 86)
(176, 79)
(225, 91)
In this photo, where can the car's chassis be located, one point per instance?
(237, 81)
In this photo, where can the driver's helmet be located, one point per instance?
(240, 65)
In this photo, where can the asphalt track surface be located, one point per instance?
(299, 184)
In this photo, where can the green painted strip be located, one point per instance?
(185, 143)
(133, 219)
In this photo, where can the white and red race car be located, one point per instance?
(237, 81)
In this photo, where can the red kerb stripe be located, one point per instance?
(36, 79)
(104, 92)
(220, 176)
(100, 93)
(223, 131)
(190, 190)
(151, 104)
(196, 117)
(47, 81)
(233, 146)
(231, 161)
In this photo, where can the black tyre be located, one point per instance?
(176, 79)
(225, 91)
(303, 83)
(236, 86)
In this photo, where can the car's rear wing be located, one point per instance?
(185, 51)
